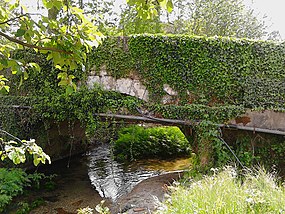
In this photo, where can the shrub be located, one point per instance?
(138, 142)
(12, 182)
(224, 192)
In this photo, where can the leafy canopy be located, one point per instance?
(65, 36)
(149, 8)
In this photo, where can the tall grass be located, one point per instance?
(225, 192)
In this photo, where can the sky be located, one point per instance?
(273, 9)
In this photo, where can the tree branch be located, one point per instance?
(17, 17)
(10, 135)
(33, 46)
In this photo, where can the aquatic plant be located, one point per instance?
(85, 210)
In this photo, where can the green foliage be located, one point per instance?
(257, 150)
(223, 192)
(85, 210)
(197, 112)
(251, 149)
(101, 208)
(16, 152)
(3, 87)
(139, 142)
(209, 71)
(149, 9)
(132, 23)
(56, 106)
(62, 36)
(216, 79)
(12, 183)
(222, 18)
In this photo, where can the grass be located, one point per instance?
(256, 192)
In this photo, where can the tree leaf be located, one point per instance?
(20, 32)
(35, 66)
(169, 6)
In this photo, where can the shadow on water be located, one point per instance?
(72, 190)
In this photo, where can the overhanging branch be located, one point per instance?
(10, 135)
(12, 39)
(17, 17)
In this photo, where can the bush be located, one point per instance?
(224, 192)
(12, 182)
(139, 142)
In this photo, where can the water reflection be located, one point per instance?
(111, 178)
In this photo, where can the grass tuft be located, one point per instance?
(224, 192)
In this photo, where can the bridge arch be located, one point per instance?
(132, 86)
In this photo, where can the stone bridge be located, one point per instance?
(265, 121)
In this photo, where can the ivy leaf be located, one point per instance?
(69, 90)
(7, 88)
(57, 4)
(26, 75)
(36, 160)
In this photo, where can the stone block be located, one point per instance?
(169, 90)
(108, 83)
(139, 90)
(103, 71)
(91, 80)
(124, 85)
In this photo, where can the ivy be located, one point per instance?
(216, 79)
(216, 70)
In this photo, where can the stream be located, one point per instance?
(95, 176)
(111, 178)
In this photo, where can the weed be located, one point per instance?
(224, 192)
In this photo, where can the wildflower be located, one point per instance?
(249, 200)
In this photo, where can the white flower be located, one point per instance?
(249, 200)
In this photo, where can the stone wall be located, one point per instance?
(266, 119)
(130, 85)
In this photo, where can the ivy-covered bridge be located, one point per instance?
(236, 83)
(224, 71)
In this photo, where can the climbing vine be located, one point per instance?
(216, 79)
(203, 70)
